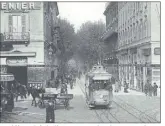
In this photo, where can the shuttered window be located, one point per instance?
(23, 23)
(10, 23)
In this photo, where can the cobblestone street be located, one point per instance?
(126, 108)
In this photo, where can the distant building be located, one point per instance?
(26, 32)
(138, 44)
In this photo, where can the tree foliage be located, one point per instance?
(84, 46)
(91, 48)
(67, 42)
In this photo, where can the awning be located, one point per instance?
(6, 77)
(17, 54)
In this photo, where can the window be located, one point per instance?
(146, 28)
(140, 31)
(141, 7)
(16, 27)
(145, 5)
(134, 31)
(137, 32)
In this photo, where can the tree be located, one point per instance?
(91, 49)
(66, 43)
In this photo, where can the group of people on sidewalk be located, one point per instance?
(118, 86)
(149, 89)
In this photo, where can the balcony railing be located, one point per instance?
(17, 37)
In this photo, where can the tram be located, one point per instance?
(6, 92)
(98, 87)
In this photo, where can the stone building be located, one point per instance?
(138, 44)
(25, 29)
(110, 37)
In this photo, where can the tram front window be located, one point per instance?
(100, 84)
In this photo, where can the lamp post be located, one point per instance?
(50, 114)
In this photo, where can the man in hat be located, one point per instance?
(155, 87)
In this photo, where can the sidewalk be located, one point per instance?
(130, 91)
(76, 89)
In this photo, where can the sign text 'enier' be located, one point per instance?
(19, 6)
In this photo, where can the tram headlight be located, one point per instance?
(105, 97)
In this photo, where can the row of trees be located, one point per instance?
(84, 46)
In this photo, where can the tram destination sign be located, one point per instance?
(19, 5)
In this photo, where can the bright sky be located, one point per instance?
(80, 12)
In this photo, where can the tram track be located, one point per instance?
(140, 116)
(135, 112)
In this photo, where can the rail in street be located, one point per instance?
(142, 116)
(132, 113)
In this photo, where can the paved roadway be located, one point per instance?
(127, 107)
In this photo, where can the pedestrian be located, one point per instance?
(116, 86)
(64, 88)
(18, 90)
(146, 89)
(120, 85)
(142, 86)
(34, 94)
(155, 87)
(24, 91)
(125, 87)
(150, 89)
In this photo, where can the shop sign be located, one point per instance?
(17, 62)
(156, 72)
(157, 51)
(19, 5)
(35, 84)
(6, 77)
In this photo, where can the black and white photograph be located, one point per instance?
(80, 62)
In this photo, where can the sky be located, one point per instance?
(80, 12)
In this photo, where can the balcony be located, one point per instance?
(110, 30)
(16, 38)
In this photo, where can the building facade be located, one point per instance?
(110, 37)
(138, 45)
(23, 28)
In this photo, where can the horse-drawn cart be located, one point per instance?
(56, 97)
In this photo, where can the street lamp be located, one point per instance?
(50, 114)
